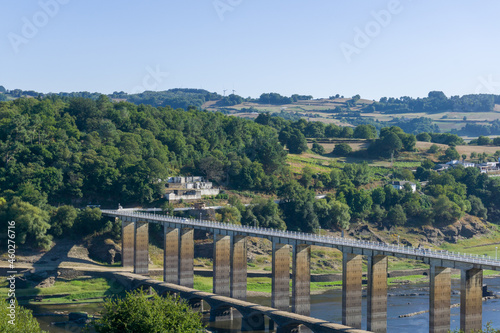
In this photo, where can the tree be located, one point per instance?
(396, 215)
(342, 149)
(433, 149)
(483, 140)
(24, 321)
(307, 177)
(347, 132)
(425, 137)
(137, 312)
(318, 149)
(297, 143)
(32, 223)
(450, 154)
(88, 221)
(230, 215)
(446, 211)
(340, 215)
(477, 207)
(62, 220)
(365, 132)
(167, 208)
(297, 204)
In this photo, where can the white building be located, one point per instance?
(188, 188)
(400, 184)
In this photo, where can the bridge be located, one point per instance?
(252, 314)
(230, 268)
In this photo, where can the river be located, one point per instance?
(328, 306)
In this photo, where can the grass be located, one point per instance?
(483, 245)
(81, 288)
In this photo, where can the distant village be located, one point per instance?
(484, 167)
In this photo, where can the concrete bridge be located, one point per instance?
(252, 314)
(230, 268)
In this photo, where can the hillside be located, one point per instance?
(468, 115)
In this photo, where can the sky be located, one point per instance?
(320, 47)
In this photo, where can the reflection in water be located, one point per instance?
(328, 306)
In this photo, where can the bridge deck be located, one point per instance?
(438, 258)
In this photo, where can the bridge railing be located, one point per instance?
(301, 236)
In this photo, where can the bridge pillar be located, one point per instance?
(222, 275)
(439, 299)
(239, 267)
(377, 294)
(352, 275)
(186, 258)
(141, 253)
(301, 280)
(222, 267)
(281, 277)
(170, 255)
(128, 236)
(280, 297)
(471, 300)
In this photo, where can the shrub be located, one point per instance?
(342, 149)
(137, 312)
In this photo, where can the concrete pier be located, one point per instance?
(171, 255)
(301, 280)
(281, 277)
(352, 275)
(141, 243)
(128, 237)
(222, 265)
(239, 267)
(471, 300)
(439, 299)
(377, 294)
(186, 257)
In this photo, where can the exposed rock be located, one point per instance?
(47, 283)
(467, 227)
(74, 316)
(433, 235)
(104, 250)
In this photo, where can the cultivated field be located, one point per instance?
(423, 146)
(320, 110)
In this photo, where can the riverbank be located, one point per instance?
(81, 287)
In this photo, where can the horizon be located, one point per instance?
(374, 49)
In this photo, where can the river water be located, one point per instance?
(328, 306)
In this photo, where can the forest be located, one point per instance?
(60, 154)
(436, 101)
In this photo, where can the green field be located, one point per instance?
(80, 288)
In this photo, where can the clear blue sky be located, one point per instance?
(252, 46)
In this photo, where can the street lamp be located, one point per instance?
(496, 252)
(398, 240)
